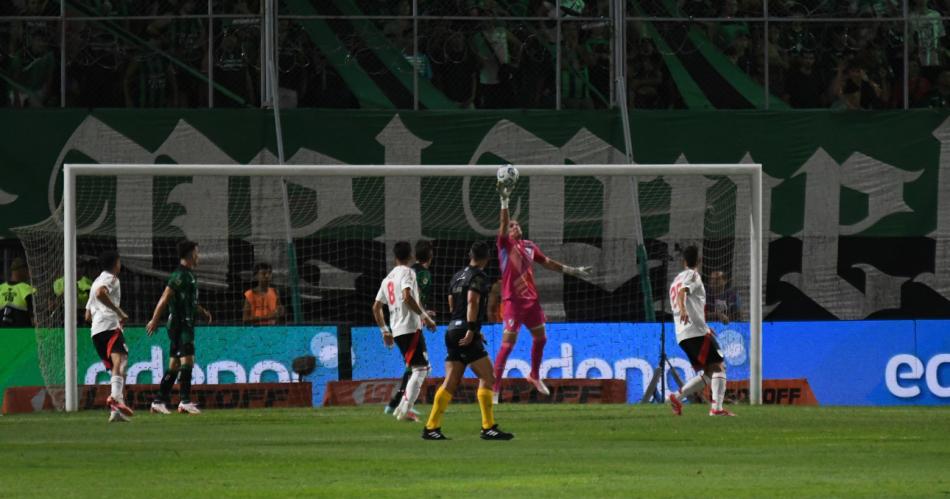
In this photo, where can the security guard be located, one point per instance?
(83, 285)
(16, 297)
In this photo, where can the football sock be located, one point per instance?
(185, 384)
(397, 398)
(718, 390)
(488, 412)
(116, 382)
(694, 385)
(500, 360)
(415, 384)
(537, 352)
(165, 389)
(439, 405)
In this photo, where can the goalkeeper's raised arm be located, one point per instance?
(504, 194)
(579, 272)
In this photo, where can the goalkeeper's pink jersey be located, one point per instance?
(517, 272)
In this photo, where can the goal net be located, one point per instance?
(327, 233)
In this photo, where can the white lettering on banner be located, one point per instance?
(205, 221)
(100, 142)
(516, 365)
(133, 221)
(283, 375)
(93, 372)
(933, 375)
(687, 211)
(202, 219)
(133, 206)
(6, 197)
(894, 372)
(565, 363)
(334, 200)
(595, 367)
(621, 221)
(892, 375)
(744, 219)
(600, 365)
(185, 144)
(403, 210)
(819, 279)
(646, 370)
(939, 280)
(883, 184)
(154, 365)
(334, 196)
(230, 366)
(325, 347)
(684, 366)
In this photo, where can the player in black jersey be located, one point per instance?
(468, 300)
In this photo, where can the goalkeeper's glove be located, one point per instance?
(580, 272)
(504, 194)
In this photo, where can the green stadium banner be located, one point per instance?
(224, 355)
(834, 182)
(19, 365)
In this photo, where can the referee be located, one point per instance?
(468, 300)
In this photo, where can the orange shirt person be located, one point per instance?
(262, 303)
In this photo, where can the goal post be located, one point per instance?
(749, 175)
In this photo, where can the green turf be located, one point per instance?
(559, 451)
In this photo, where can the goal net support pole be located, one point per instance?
(272, 83)
(69, 292)
(755, 289)
(752, 172)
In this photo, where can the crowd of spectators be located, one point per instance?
(816, 60)
(819, 53)
(126, 62)
(489, 62)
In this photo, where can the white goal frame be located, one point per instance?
(71, 171)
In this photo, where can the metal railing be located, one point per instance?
(418, 54)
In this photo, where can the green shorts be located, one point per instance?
(181, 342)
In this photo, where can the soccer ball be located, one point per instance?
(508, 176)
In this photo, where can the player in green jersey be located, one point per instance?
(181, 299)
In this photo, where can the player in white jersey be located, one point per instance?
(400, 292)
(107, 321)
(688, 300)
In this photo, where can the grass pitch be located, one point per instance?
(559, 451)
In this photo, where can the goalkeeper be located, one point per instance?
(519, 295)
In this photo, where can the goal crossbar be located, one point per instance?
(71, 171)
(408, 171)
